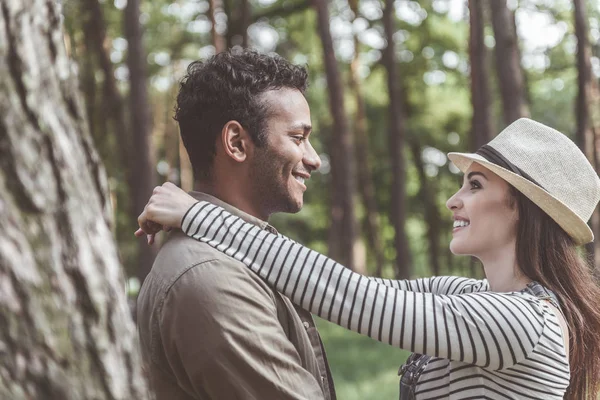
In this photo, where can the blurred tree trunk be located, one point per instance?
(481, 125)
(142, 157)
(343, 225)
(66, 329)
(397, 134)
(430, 209)
(586, 91)
(113, 106)
(218, 40)
(238, 19)
(481, 128)
(365, 180)
(508, 63)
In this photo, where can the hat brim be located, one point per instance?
(576, 227)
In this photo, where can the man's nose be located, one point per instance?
(311, 158)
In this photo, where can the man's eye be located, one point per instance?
(299, 138)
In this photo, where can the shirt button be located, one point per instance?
(323, 379)
(306, 325)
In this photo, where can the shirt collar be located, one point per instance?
(235, 211)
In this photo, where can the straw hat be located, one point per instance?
(548, 168)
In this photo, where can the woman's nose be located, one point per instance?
(454, 202)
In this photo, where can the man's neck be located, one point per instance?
(232, 197)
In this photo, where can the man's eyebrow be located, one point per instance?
(471, 174)
(301, 127)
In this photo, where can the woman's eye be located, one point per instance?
(475, 185)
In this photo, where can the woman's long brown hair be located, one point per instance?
(545, 253)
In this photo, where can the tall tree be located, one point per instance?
(142, 158)
(113, 120)
(508, 63)
(215, 6)
(431, 212)
(481, 127)
(586, 90)
(238, 19)
(343, 187)
(66, 329)
(365, 180)
(397, 113)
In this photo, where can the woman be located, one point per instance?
(531, 330)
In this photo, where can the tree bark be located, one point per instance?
(397, 113)
(481, 129)
(343, 225)
(508, 63)
(365, 180)
(142, 158)
(585, 134)
(65, 329)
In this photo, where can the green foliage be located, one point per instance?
(432, 50)
(362, 368)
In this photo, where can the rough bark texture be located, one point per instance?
(65, 329)
(508, 65)
(397, 134)
(142, 159)
(365, 180)
(343, 225)
(481, 132)
(587, 90)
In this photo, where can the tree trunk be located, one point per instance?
(585, 135)
(508, 63)
(397, 114)
(238, 20)
(481, 129)
(218, 40)
(365, 180)
(343, 225)
(113, 110)
(66, 329)
(142, 158)
(431, 213)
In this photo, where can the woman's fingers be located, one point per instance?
(164, 210)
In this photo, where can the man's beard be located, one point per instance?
(270, 186)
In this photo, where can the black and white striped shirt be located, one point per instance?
(485, 345)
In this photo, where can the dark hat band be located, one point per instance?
(494, 156)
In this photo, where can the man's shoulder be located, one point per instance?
(197, 265)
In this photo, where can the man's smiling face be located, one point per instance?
(281, 167)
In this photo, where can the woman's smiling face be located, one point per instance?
(484, 214)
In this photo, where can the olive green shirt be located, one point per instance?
(211, 329)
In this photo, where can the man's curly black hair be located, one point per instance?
(227, 87)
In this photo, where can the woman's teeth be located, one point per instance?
(459, 223)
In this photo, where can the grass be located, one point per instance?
(362, 368)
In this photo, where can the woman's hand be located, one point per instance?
(165, 210)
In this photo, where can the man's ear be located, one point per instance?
(236, 141)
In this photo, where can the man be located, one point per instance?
(210, 328)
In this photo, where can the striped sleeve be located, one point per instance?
(437, 284)
(490, 330)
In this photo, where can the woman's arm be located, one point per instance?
(491, 330)
(436, 284)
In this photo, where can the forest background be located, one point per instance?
(394, 86)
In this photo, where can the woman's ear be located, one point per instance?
(236, 141)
